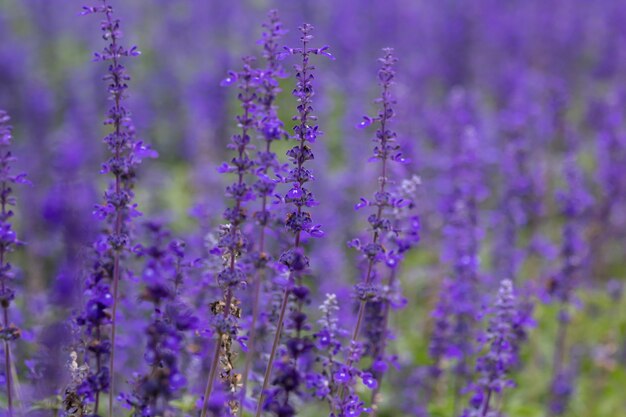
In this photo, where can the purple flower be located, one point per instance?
(380, 223)
(387, 223)
(163, 278)
(457, 310)
(502, 345)
(9, 332)
(561, 390)
(298, 220)
(521, 198)
(575, 204)
(126, 153)
(232, 241)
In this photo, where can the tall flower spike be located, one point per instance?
(271, 129)
(231, 242)
(118, 209)
(456, 312)
(501, 356)
(162, 276)
(405, 236)
(611, 158)
(298, 220)
(518, 203)
(575, 203)
(8, 240)
(386, 149)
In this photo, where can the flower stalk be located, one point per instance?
(9, 332)
(299, 220)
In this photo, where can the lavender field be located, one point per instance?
(214, 208)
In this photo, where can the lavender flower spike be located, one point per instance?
(126, 154)
(405, 236)
(501, 356)
(299, 220)
(232, 242)
(271, 129)
(8, 239)
(456, 312)
(386, 150)
(575, 203)
(163, 275)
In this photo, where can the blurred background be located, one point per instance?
(532, 74)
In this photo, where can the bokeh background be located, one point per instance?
(543, 67)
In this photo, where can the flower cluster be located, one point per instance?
(270, 129)
(163, 278)
(518, 202)
(232, 242)
(492, 189)
(501, 355)
(390, 208)
(575, 203)
(334, 380)
(8, 240)
(298, 220)
(611, 154)
(381, 225)
(405, 236)
(458, 306)
(126, 153)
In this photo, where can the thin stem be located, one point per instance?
(116, 265)
(486, 405)
(252, 343)
(559, 351)
(5, 314)
(98, 368)
(487, 402)
(9, 378)
(383, 342)
(212, 372)
(216, 354)
(268, 370)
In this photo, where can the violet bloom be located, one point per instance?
(8, 240)
(126, 153)
(163, 277)
(335, 381)
(328, 342)
(561, 390)
(457, 309)
(575, 203)
(232, 242)
(298, 220)
(518, 204)
(405, 236)
(611, 159)
(385, 150)
(372, 303)
(271, 129)
(294, 358)
(501, 343)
